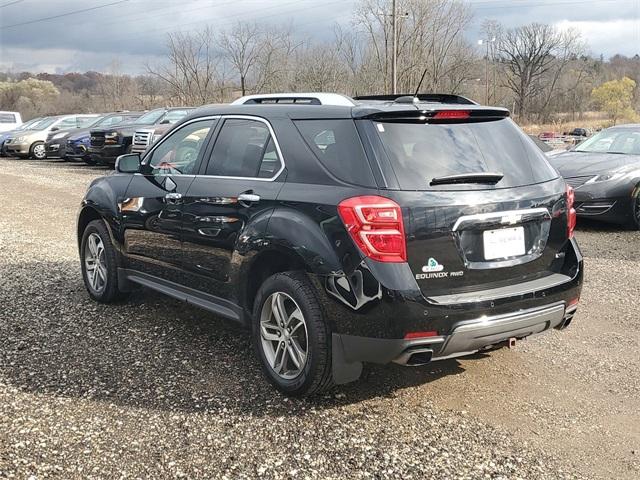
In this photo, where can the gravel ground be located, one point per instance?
(156, 389)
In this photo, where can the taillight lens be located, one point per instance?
(571, 212)
(452, 114)
(375, 225)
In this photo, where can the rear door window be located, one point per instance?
(244, 148)
(420, 152)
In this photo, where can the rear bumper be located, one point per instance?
(465, 338)
(376, 327)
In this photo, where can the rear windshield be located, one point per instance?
(7, 118)
(421, 152)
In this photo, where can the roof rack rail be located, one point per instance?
(423, 97)
(295, 99)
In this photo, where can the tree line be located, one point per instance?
(535, 70)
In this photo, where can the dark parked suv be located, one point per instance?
(343, 231)
(106, 144)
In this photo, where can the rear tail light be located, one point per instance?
(452, 114)
(571, 212)
(375, 225)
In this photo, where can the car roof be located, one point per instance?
(628, 126)
(306, 111)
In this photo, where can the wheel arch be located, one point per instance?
(263, 265)
(87, 215)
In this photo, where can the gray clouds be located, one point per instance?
(134, 32)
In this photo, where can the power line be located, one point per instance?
(74, 12)
(163, 30)
(11, 3)
(488, 5)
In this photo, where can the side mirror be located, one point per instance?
(129, 163)
(164, 122)
(54, 129)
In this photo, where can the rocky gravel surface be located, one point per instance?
(152, 388)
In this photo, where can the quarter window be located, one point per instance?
(244, 148)
(178, 153)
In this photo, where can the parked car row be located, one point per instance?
(92, 138)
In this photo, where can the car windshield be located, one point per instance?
(420, 153)
(174, 115)
(613, 140)
(44, 123)
(151, 117)
(89, 121)
(29, 124)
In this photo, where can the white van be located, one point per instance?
(9, 121)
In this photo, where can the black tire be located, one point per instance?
(315, 376)
(37, 151)
(109, 291)
(89, 161)
(634, 223)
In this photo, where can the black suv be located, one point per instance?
(106, 144)
(343, 231)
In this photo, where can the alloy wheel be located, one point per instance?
(283, 335)
(39, 151)
(94, 262)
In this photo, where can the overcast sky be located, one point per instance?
(133, 31)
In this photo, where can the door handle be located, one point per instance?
(173, 197)
(248, 198)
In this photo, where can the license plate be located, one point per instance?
(503, 243)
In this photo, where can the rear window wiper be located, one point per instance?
(489, 178)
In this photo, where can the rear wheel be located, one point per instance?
(38, 151)
(635, 209)
(99, 266)
(291, 337)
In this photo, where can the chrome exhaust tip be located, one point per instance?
(414, 357)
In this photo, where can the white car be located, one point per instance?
(9, 121)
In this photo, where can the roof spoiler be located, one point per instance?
(422, 97)
(439, 115)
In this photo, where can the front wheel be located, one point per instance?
(98, 263)
(291, 337)
(38, 151)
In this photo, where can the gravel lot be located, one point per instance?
(156, 389)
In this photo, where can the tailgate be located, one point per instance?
(483, 240)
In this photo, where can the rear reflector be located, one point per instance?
(571, 212)
(414, 335)
(451, 114)
(572, 303)
(375, 225)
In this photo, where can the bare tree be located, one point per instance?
(430, 37)
(534, 56)
(192, 69)
(242, 49)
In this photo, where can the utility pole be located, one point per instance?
(486, 42)
(394, 48)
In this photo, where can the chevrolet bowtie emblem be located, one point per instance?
(511, 219)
